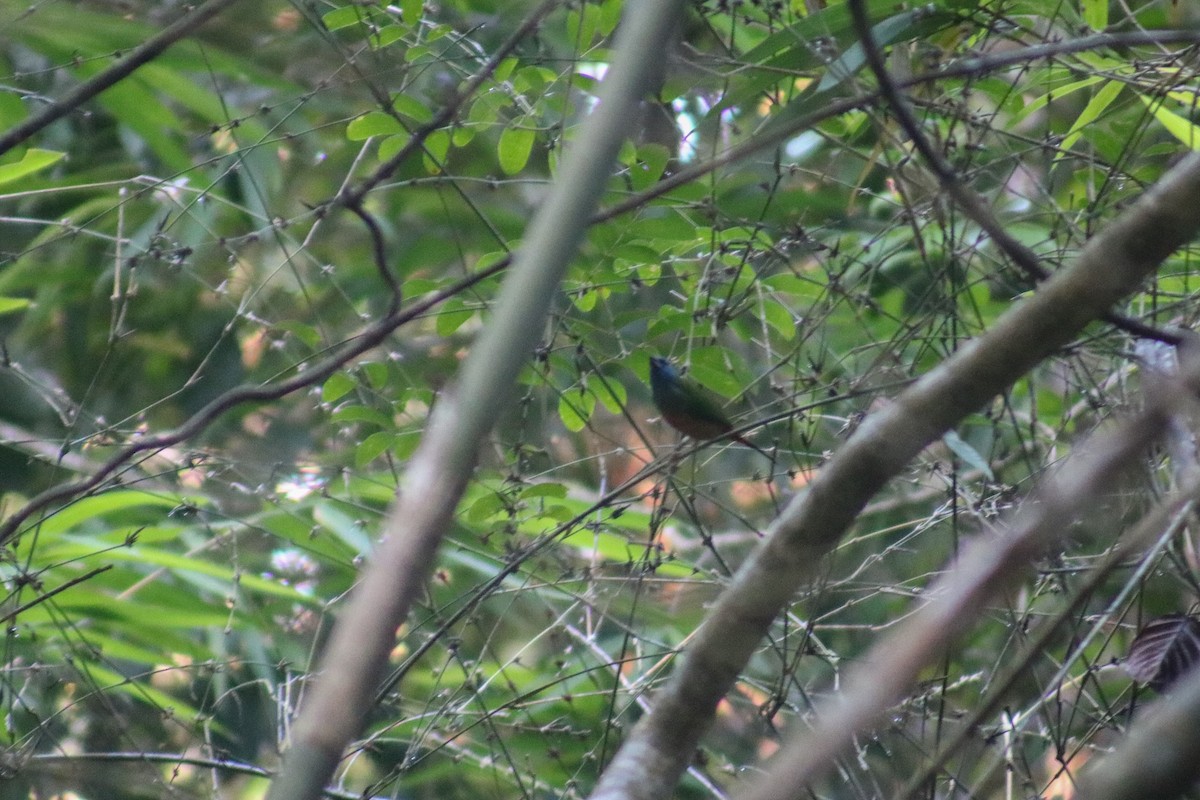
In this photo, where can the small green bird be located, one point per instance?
(687, 407)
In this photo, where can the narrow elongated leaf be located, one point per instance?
(32, 161)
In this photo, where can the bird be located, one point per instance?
(688, 407)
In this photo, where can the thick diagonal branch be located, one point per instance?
(1110, 266)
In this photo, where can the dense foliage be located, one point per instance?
(183, 234)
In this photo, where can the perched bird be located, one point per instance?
(687, 407)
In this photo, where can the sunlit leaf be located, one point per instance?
(575, 409)
(342, 17)
(33, 160)
(516, 143)
(1181, 128)
(1091, 112)
(1095, 14)
(10, 304)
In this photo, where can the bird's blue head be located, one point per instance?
(665, 382)
(662, 370)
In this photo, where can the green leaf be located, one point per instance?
(337, 386)
(1095, 14)
(141, 692)
(648, 167)
(611, 394)
(610, 16)
(575, 409)
(462, 136)
(437, 145)
(411, 107)
(373, 447)
(710, 368)
(1091, 112)
(12, 110)
(854, 58)
(486, 507)
(584, 297)
(454, 315)
(671, 227)
(392, 145)
(516, 143)
(305, 334)
(969, 455)
(1034, 104)
(552, 490)
(1181, 128)
(349, 530)
(411, 11)
(376, 373)
(94, 508)
(184, 90)
(183, 565)
(780, 318)
(617, 548)
(342, 17)
(373, 123)
(31, 161)
(406, 444)
(388, 35)
(505, 68)
(10, 304)
(582, 24)
(354, 414)
(137, 108)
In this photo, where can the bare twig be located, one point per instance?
(44, 596)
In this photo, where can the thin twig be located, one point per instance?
(968, 200)
(239, 767)
(41, 598)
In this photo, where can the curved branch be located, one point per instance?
(369, 337)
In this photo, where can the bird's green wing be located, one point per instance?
(702, 404)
